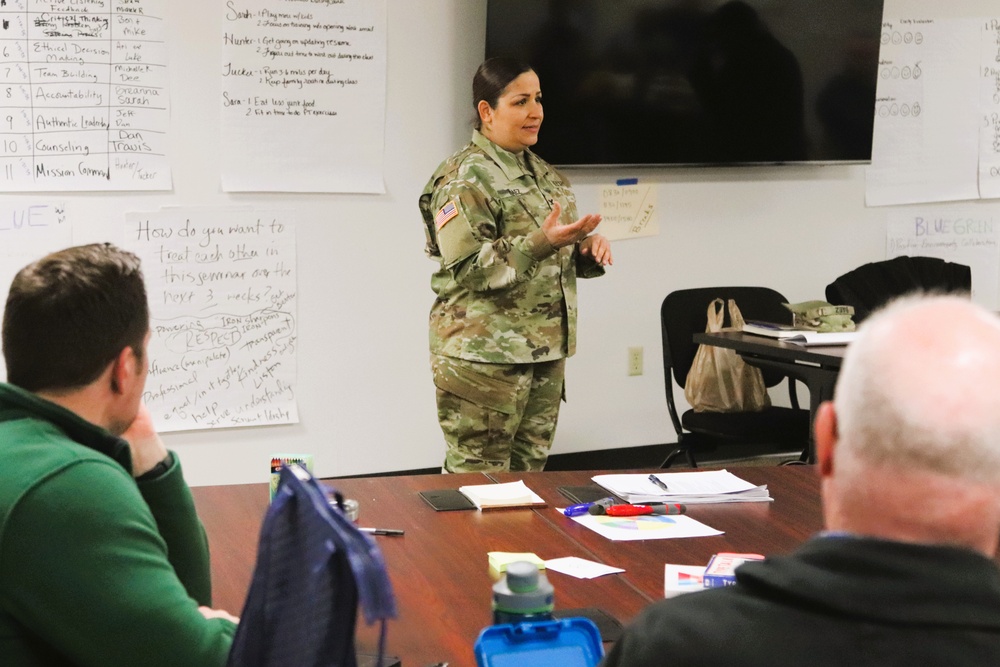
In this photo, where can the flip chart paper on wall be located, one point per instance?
(989, 104)
(966, 234)
(222, 296)
(28, 230)
(303, 95)
(628, 211)
(85, 96)
(926, 139)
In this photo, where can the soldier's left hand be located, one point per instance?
(598, 247)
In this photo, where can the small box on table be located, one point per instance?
(721, 569)
(279, 460)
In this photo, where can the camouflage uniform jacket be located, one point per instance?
(504, 294)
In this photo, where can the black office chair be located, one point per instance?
(683, 314)
(876, 283)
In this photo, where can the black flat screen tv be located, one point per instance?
(697, 82)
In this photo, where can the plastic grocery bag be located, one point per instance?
(719, 379)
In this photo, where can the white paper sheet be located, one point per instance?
(86, 98)
(989, 106)
(646, 527)
(303, 95)
(967, 234)
(629, 210)
(580, 567)
(926, 138)
(222, 297)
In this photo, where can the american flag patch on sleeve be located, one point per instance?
(447, 212)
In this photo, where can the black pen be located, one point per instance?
(659, 482)
(381, 531)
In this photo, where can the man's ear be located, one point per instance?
(122, 370)
(825, 436)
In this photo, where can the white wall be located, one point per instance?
(365, 395)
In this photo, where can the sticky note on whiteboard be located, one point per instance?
(628, 209)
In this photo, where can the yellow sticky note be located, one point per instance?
(499, 560)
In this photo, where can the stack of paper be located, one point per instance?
(789, 334)
(689, 488)
(502, 496)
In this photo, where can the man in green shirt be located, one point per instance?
(103, 560)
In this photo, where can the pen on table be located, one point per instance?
(659, 482)
(381, 531)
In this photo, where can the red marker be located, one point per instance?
(638, 510)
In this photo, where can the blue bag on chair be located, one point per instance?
(313, 566)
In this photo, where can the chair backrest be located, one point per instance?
(872, 285)
(313, 568)
(684, 313)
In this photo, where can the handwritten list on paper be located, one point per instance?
(925, 145)
(989, 105)
(28, 230)
(303, 95)
(83, 95)
(222, 295)
(965, 234)
(628, 211)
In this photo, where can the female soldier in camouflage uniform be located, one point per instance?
(503, 225)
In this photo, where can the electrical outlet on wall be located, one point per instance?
(635, 361)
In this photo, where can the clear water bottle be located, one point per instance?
(522, 595)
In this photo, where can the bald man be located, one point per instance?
(909, 458)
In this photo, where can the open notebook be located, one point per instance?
(502, 496)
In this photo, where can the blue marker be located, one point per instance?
(577, 510)
(584, 508)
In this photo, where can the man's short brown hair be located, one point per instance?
(69, 315)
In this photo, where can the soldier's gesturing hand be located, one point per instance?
(599, 247)
(563, 235)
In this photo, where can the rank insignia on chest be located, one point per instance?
(447, 212)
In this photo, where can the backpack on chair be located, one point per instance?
(313, 567)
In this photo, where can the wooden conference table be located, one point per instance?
(816, 366)
(439, 568)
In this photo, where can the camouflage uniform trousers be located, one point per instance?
(497, 417)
